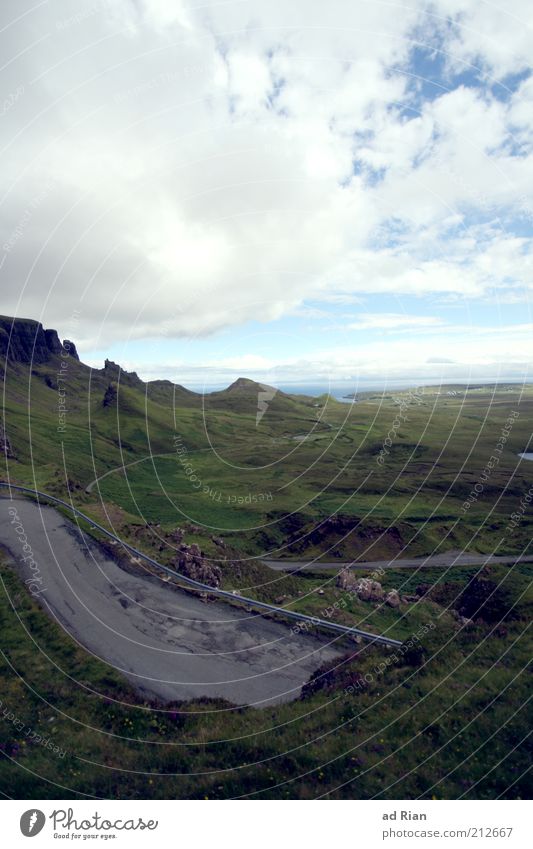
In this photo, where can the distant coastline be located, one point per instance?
(348, 391)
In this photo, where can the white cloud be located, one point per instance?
(497, 37)
(201, 162)
(474, 355)
(392, 321)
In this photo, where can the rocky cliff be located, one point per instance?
(119, 375)
(23, 340)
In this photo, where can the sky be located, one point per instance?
(292, 191)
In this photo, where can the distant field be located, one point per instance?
(244, 486)
(391, 472)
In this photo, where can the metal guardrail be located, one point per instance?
(250, 602)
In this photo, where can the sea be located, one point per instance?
(344, 390)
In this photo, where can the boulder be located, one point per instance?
(346, 580)
(393, 598)
(365, 588)
(193, 564)
(369, 590)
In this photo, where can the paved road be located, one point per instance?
(451, 558)
(167, 642)
(285, 612)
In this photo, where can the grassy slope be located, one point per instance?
(256, 475)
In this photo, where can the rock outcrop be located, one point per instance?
(369, 590)
(393, 598)
(70, 348)
(52, 341)
(110, 396)
(192, 564)
(365, 588)
(346, 580)
(26, 341)
(117, 374)
(5, 444)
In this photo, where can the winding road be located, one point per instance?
(446, 559)
(167, 642)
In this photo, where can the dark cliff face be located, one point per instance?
(70, 348)
(116, 373)
(25, 341)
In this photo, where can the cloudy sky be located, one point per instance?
(286, 190)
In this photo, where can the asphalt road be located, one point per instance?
(447, 559)
(165, 641)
